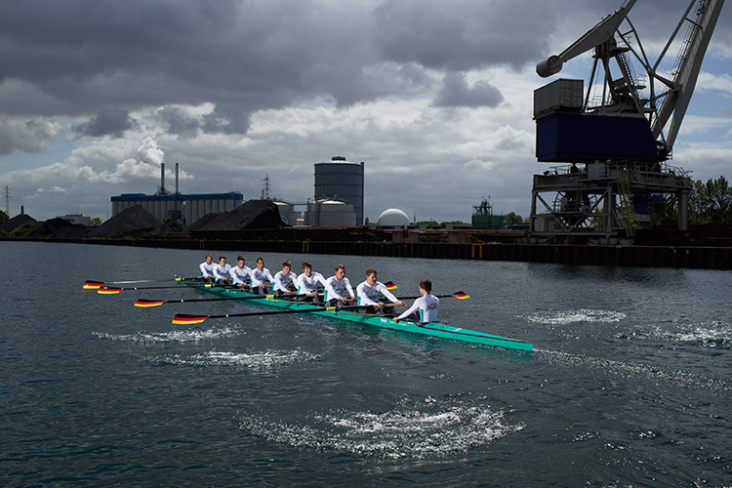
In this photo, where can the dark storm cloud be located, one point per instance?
(31, 136)
(108, 122)
(455, 92)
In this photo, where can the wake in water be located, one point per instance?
(707, 334)
(252, 360)
(567, 317)
(190, 335)
(430, 428)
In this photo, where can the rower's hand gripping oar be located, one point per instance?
(188, 319)
(142, 302)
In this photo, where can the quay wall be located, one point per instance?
(702, 257)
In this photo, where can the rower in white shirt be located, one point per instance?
(338, 290)
(308, 282)
(370, 291)
(424, 309)
(260, 278)
(207, 269)
(285, 281)
(240, 273)
(222, 272)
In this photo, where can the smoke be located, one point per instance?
(150, 153)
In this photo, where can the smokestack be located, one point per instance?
(162, 178)
(176, 179)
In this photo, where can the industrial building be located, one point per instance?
(176, 206)
(330, 212)
(340, 180)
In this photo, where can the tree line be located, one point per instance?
(710, 202)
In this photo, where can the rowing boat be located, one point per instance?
(434, 329)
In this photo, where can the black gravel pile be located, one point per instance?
(58, 228)
(254, 214)
(133, 221)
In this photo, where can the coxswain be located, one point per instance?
(370, 291)
(260, 278)
(222, 272)
(207, 269)
(424, 308)
(338, 290)
(308, 283)
(241, 273)
(285, 281)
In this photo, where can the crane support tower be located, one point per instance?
(612, 142)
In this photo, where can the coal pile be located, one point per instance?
(131, 222)
(15, 223)
(254, 214)
(58, 228)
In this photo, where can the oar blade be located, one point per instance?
(390, 285)
(92, 285)
(144, 303)
(109, 290)
(188, 319)
(460, 295)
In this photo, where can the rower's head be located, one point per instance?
(240, 260)
(260, 263)
(340, 271)
(307, 268)
(425, 286)
(222, 260)
(209, 259)
(371, 276)
(286, 266)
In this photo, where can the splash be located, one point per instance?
(252, 360)
(575, 316)
(429, 429)
(150, 153)
(192, 335)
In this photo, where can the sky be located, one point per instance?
(435, 97)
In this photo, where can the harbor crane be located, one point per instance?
(614, 140)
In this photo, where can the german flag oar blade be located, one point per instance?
(141, 302)
(108, 290)
(461, 295)
(187, 319)
(390, 285)
(92, 285)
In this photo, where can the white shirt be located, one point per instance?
(283, 281)
(427, 305)
(240, 275)
(307, 284)
(222, 272)
(369, 294)
(338, 288)
(207, 269)
(260, 277)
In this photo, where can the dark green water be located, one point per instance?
(629, 384)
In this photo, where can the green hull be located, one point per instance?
(432, 329)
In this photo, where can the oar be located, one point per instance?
(390, 285)
(112, 290)
(142, 302)
(95, 285)
(186, 319)
(460, 295)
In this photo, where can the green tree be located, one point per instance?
(94, 221)
(512, 218)
(711, 202)
(3, 217)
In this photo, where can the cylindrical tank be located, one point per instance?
(341, 179)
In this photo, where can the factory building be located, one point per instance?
(330, 212)
(342, 181)
(176, 206)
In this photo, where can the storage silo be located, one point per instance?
(343, 180)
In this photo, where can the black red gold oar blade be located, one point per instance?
(460, 295)
(142, 302)
(92, 285)
(188, 319)
(109, 290)
(390, 285)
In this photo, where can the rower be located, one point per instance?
(222, 272)
(260, 275)
(308, 282)
(370, 291)
(207, 268)
(241, 273)
(338, 290)
(285, 281)
(424, 308)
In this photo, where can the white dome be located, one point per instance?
(393, 217)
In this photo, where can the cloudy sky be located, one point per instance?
(436, 97)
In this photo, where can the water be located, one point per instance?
(629, 383)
